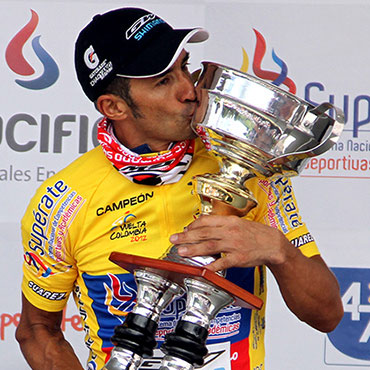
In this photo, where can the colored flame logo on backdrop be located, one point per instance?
(18, 64)
(259, 53)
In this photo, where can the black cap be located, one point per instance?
(127, 42)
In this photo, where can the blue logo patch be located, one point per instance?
(352, 336)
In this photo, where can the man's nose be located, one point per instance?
(187, 89)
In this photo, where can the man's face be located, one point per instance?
(165, 103)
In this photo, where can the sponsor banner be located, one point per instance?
(349, 158)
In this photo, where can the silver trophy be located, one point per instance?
(253, 128)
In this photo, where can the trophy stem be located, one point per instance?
(135, 338)
(225, 193)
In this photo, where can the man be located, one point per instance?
(132, 193)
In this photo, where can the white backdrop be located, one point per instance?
(46, 122)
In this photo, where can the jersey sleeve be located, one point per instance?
(49, 270)
(277, 207)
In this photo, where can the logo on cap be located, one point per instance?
(90, 58)
(138, 24)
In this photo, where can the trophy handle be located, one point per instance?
(318, 122)
(332, 135)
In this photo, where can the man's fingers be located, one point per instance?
(222, 263)
(201, 249)
(196, 235)
(229, 260)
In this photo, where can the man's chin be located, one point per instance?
(192, 135)
(189, 133)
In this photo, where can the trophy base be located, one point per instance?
(177, 272)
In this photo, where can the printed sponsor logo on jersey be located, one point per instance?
(225, 324)
(127, 226)
(60, 224)
(271, 216)
(119, 296)
(258, 328)
(170, 317)
(302, 240)
(122, 220)
(41, 216)
(84, 316)
(113, 296)
(284, 196)
(122, 204)
(33, 261)
(52, 217)
(52, 296)
(262, 284)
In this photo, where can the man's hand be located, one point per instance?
(242, 243)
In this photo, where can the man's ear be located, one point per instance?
(112, 107)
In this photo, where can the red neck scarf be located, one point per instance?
(150, 169)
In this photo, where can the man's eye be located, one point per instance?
(164, 81)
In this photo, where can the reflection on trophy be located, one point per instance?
(253, 128)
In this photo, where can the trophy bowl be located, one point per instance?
(255, 128)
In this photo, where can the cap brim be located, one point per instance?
(158, 58)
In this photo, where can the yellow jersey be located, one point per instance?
(88, 210)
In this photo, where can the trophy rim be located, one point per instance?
(258, 80)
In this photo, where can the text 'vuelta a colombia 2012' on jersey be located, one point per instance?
(81, 215)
